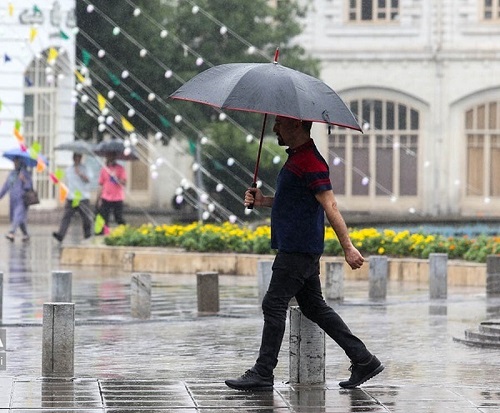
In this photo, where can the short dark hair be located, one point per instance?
(307, 125)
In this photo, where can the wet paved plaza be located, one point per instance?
(177, 361)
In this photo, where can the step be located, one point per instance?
(490, 327)
(478, 343)
(479, 335)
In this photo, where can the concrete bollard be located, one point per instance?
(140, 295)
(1, 296)
(438, 275)
(207, 287)
(264, 274)
(334, 285)
(58, 340)
(378, 277)
(307, 350)
(61, 286)
(493, 275)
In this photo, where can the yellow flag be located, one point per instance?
(53, 53)
(63, 192)
(79, 76)
(127, 125)
(101, 100)
(33, 34)
(11, 9)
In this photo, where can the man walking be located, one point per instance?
(77, 179)
(303, 196)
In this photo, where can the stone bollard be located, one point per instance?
(307, 350)
(207, 287)
(378, 277)
(140, 295)
(334, 285)
(438, 275)
(58, 340)
(264, 273)
(61, 287)
(493, 275)
(1, 296)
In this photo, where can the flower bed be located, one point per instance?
(229, 237)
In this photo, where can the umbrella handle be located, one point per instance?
(256, 171)
(254, 185)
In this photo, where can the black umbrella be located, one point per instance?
(267, 88)
(116, 147)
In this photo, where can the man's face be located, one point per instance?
(283, 128)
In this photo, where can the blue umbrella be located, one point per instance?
(23, 155)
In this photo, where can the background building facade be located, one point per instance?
(421, 76)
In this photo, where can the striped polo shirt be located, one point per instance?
(297, 218)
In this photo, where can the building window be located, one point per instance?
(491, 10)
(383, 161)
(482, 128)
(374, 10)
(40, 112)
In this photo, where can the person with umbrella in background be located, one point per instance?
(18, 181)
(111, 192)
(303, 196)
(77, 179)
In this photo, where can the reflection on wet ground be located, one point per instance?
(178, 360)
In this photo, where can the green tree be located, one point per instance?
(194, 29)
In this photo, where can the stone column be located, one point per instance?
(140, 295)
(264, 274)
(58, 340)
(307, 350)
(378, 277)
(438, 275)
(493, 275)
(334, 286)
(207, 286)
(62, 286)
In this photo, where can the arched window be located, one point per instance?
(482, 129)
(382, 161)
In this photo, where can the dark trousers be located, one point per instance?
(298, 275)
(112, 206)
(86, 215)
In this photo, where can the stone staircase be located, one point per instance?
(486, 335)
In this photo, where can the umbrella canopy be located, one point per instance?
(268, 88)
(23, 155)
(116, 147)
(76, 146)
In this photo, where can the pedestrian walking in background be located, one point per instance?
(77, 178)
(303, 196)
(111, 193)
(17, 183)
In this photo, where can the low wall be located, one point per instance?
(175, 261)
